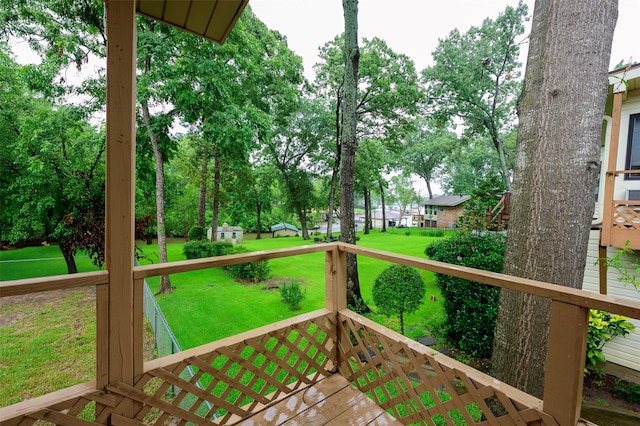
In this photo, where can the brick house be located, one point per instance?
(442, 212)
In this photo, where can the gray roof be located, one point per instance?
(447, 200)
(281, 226)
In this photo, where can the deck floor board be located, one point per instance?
(331, 401)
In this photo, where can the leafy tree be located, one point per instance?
(398, 290)
(475, 78)
(425, 150)
(402, 192)
(557, 164)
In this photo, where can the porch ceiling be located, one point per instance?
(211, 19)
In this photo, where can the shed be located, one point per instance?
(232, 234)
(284, 230)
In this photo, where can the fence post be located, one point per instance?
(564, 372)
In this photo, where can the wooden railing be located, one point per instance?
(621, 218)
(253, 370)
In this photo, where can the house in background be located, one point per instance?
(617, 211)
(442, 212)
(392, 218)
(232, 234)
(284, 230)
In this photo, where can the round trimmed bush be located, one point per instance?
(398, 290)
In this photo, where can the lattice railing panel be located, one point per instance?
(231, 380)
(417, 385)
(626, 215)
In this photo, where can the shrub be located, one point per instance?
(292, 295)
(432, 233)
(471, 308)
(255, 272)
(198, 249)
(196, 233)
(399, 289)
(603, 327)
(628, 391)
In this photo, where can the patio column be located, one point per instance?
(117, 318)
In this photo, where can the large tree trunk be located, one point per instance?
(302, 217)
(165, 282)
(202, 201)
(349, 147)
(216, 194)
(557, 162)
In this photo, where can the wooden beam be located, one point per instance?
(609, 184)
(602, 268)
(120, 183)
(564, 372)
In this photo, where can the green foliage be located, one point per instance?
(198, 249)
(603, 327)
(628, 391)
(471, 308)
(254, 272)
(292, 294)
(629, 271)
(398, 290)
(432, 233)
(484, 197)
(196, 233)
(475, 78)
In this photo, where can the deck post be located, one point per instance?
(335, 279)
(566, 353)
(120, 202)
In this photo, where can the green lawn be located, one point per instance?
(57, 329)
(209, 305)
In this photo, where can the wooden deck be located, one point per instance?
(330, 366)
(330, 401)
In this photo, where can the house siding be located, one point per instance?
(624, 351)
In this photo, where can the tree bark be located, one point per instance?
(68, 254)
(215, 209)
(336, 167)
(557, 163)
(202, 199)
(165, 282)
(349, 147)
(367, 210)
(384, 207)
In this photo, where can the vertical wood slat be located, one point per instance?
(335, 279)
(102, 336)
(120, 176)
(607, 212)
(566, 353)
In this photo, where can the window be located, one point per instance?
(633, 147)
(233, 235)
(222, 235)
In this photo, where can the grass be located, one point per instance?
(205, 306)
(209, 305)
(57, 335)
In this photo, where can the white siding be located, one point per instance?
(623, 351)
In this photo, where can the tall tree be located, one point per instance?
(350, 145)
(387, 97)
(557, 163)
(475, 78)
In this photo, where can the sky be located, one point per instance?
(412, 27)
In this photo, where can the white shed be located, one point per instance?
(232, 234)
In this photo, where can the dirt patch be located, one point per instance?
(601, 391)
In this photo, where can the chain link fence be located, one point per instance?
(167, 344)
